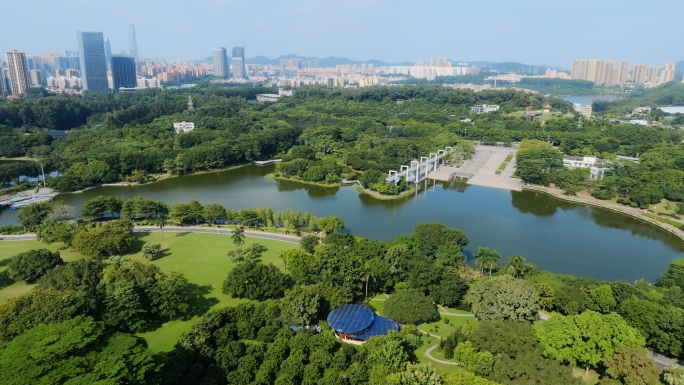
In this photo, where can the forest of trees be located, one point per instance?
(89, 309)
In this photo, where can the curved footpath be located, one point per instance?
(179, 229)
(622, 209)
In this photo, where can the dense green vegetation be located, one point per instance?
(131, 137)
(78, 324)
(669, 95)
(103, 300)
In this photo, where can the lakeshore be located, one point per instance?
(585, 239)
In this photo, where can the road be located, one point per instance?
(662, 361)
(178, 229)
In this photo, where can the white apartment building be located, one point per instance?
(585, 111)
(484, 108)
(426, 72)
(148, 83)
(183, 127)
(62, 83)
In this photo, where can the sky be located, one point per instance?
(537, 32)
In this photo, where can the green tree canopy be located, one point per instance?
(76, 351)
(31, 265)
(254, 280)
(503, 298)
(631, 366)
(585, 339)
(410, 307)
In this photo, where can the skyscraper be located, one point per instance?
(3, 84)
(93, 61)
(108, 52)
(239, 69)
(123, 72)
(36, 77)
(624, 71)
(668, 74)
(18, 72)
(133, 41)
(639, 74)
(652, 74)
(221, 63)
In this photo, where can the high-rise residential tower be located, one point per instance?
(93, 61)
(221, 63)
(123, 72)
(18, 72)
(624, 71)
(639, 74)
(239, 68)
(3, 83)
(668, 74)
(108, 52)
(133, 42)
(652, 74)
(36, 77)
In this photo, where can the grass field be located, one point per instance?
(201, 257)
(9, 249)
(422, 358)
(444, 330)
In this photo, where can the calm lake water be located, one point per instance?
(589, 99)
(555, 235)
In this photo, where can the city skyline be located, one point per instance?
(440, 29)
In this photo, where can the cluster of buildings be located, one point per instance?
(92, 67)
(431, 69)
(604, 72)
(223, 69)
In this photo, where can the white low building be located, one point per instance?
(594, 164)
(183, 127)
(585, 111)
(274, 97)
(485, 108)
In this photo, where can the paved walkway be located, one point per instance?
(445, 311)
(662, 361)
(428, 354)
(179, 229)
(493, 158)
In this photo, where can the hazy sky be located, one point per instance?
(552, 32)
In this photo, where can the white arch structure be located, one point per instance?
(418, 170)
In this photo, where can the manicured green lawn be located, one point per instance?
(379, 306)
(201, 257)
(444, 330)
(9, 249)
(460, 309)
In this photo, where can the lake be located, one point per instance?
(555, 235)
(589, 99)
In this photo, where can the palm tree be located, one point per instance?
(238, 237)
(160, 221)
(518, 267)
(486, 258)
(370, 274)
(492, 261)
(674, 375)
(481, 257)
